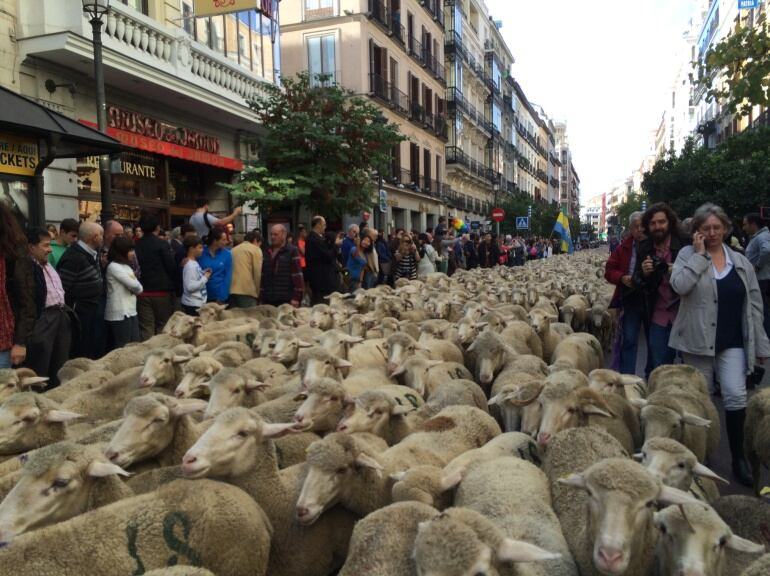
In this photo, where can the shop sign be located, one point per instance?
(137, 169)
(214, 7)
(143, 125)
(18, 155)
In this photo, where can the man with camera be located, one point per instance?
(655, 259)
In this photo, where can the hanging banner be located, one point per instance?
(214, 7)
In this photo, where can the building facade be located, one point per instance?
(569, 182)
(394, 53)
(176, 90)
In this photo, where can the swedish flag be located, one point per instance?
(562, 229)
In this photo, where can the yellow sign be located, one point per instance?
(214, 7)
(18, 155)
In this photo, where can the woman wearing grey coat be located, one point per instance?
(719, 324)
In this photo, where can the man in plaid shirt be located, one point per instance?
(282, 280)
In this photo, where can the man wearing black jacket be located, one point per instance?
(81, 278)
(155, 304)
(655, 257)
(321, 259)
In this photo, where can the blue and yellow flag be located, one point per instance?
(562, 229)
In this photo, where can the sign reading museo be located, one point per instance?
(18, 155)
(214, 7)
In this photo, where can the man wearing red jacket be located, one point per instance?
(627, 298)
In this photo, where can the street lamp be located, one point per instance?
(380, 120)
(496, 189)
(96, 10)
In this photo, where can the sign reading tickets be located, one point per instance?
(18, 155)
(214, 7)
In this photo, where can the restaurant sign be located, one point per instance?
(213, 7)
(18, 155)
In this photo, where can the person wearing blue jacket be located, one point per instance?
(217, 258)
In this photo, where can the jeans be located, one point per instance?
(660, 352)
(5, 358)
(632, 323)
(242, 301)
(124, 331)
(730, 366)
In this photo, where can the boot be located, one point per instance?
(734, 419)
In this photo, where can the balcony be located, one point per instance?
(400, 102)
(141, 56)
(379, 11)
(456, 101)
(453, 44)
(436, 10)
(455, 155)
(404, 179)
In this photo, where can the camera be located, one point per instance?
(659, 265)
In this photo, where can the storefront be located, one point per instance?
(166, 168)
(31, 137)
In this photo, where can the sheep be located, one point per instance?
(59, 482)
(321, 317)
(162, 368)
(248, 333)
(602, 323)
(29, 421)
(688, 417)
(515, 444)
(563, 405)
(179, 571)
(400, 346)
(106, 402)
(424, 375)
(382, 543)
(230, 388)
(265, 342)
(748, 517)
(361, 489)
(574, 311)
(759, 568)
(380, 414)
(74, 367)
(620, 538)
(515, 395)
(462, 542)
(154, 426)
(287, 347)
(424, 484)
(757, 440)
(522, 338)
(627, 385)
(491, 354)
(231, 354)
(514, 494)
(581, 351)
(323, 405)
(19, 380)
(238, 449)
(681, 376)
(195, 376)
(202, 523)
(548, 330)
(316, 363)
(79, 383)
(695, 540)
(676, 466)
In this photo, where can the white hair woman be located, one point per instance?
(719, 324)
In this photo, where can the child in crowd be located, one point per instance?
(193, 278)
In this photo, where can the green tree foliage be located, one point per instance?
(543, 216)
(320, 143)
(632, 204)
(736, 71)
(735, 176)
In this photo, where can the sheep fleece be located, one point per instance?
(201, 523)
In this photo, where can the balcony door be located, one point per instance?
(414, 163)
(378, 67)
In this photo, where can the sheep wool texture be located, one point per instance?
(197, 523)
(749, 518)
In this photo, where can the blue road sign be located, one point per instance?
(475, 224)
(747, 4)
(522, 222)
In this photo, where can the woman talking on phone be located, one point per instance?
(719, 326)
(216, 258)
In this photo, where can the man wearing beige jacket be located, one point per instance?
(247, 271)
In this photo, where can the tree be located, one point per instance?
(632, 204)
(736, 176)
(320, 144)
(736, 71)
(543, 216)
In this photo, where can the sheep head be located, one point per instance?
(370, 412)
(24, 417)
(673, 463)
(323, 404)
(18, 380)
(230, 389)
(195, 377)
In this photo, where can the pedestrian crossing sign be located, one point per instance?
(522, 222)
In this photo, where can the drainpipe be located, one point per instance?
(36, 197)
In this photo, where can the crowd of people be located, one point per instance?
(694, 291)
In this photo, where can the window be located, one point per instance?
(321, 56)
(320, 9)
(187, 18)
(138, 5)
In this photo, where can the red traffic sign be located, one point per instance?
(498, 214)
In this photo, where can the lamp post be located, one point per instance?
(496, 189)
(96, 10)
(380, 120)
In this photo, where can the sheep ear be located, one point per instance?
(294, 367)
(595, 410)
(451, 480)
(188, 406)
(638, 402)
(638, 456)
(399, 411)
(705, 472)
(301, 397)
(669, 495)
(277, 430)
(472, 347)
(98, 469)
(694, 420)
(433, 363)
(481, 325)
(255, 385)
(340, 363)
(61, 416)
(30, 381)
(368, 462)
(498, 399)
(398, 371)
(179, 358)
(735, 542)
(574, 480)
(199, 349)
(398, 476)
(352, 339)
(303, 344)
(519, 551)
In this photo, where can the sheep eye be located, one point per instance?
(650, 504)
(158, 421)
(60, 483)
(271, 345)
(328, 362)
(333, 399)
(663, 529)
(571, 409)
(243, 434)
(723, 541)
(341, 470)
(681, 465)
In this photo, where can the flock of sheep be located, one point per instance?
(460, 426)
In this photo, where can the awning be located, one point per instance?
(21, 115)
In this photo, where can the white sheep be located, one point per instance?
(581, 351)
(757, 440)
(19, 380)
(424, 375)
(231, 388)
(29, 421)
(195, 376)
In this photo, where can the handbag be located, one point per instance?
(754, 379)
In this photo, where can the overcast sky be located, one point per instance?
(605, 67)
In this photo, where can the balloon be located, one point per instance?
(459, 224)
(464, 229)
